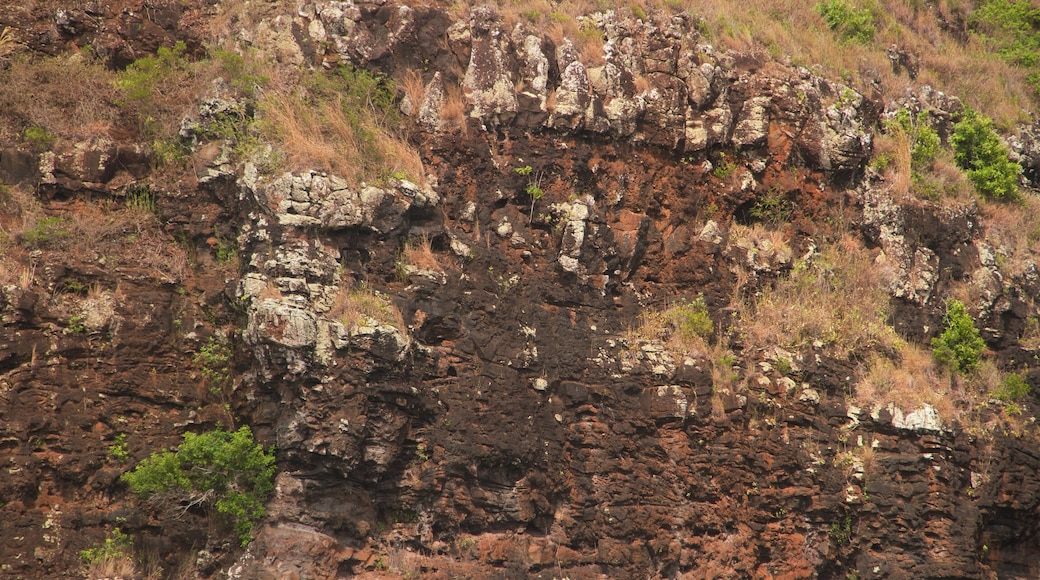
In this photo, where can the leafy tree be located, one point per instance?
(960, 345)
(224, 470)
(977, 149)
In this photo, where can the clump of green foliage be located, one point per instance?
(771, 207)
(851, 23)
(225, 471)
(118, 449)
(977, 149)
(146, 75)
(1012, 389)
(46, 232)
(38, 138)
(213, 358)
(117, 546)
(960, 346)
(141, 198)
(924, 141)
(1013, 28)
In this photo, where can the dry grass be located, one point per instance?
(909, 380)
(414, 89)
(362, 306)
(420, 254)
(453, 110)
(111, 569)
(7, 43)
(837, 300)
(320, 135)
(683, 328)
(1015, 230)
(35, 92)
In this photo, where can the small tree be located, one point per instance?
(960, 346)
(977, 149)
(224, 470)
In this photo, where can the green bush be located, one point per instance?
(856, 24)
(960, 346)
(1013, 28)
(38, 138)
(45, 233)
(225, 471)
(1013, 389)
(145, 75)
(214, 358)
(117, 546)
(924, 141)
(978, 150)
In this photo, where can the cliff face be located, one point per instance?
(512, 413)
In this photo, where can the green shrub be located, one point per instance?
(978, 150)
(221, 470)
(45, 233)
(38, 138)
(118, 449)
(924, 141)
(856, 24)
(117, 546)
(960, 346)
(141, 79)
(1013, 28)
(213, 358)
(1013, 389)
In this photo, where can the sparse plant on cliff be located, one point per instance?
(113, 558)
(362, 306)
(224, 471)
(213, 359)
(6, 42)
(1012, 389)
(683, 327)
(38, 138)
(978, 150)
(45, 233)
(960, 346)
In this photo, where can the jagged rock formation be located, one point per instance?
(508, 424)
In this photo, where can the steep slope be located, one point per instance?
(651, 311)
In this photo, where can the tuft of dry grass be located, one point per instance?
(320, 134)
(34, 92)
(421, 255)
(453, 110)
(414, 89)
(909, 380)
(837, 299)
(362, 306)
(1013, 228)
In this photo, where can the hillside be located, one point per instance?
(540, 290)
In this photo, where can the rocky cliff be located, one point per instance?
(465, 373)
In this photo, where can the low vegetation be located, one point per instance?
(978, 150)
(960, 345)
(345, 122)
(683, 327)
(362, 306)
(113, 558)
(835, 300)
(221, 472)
